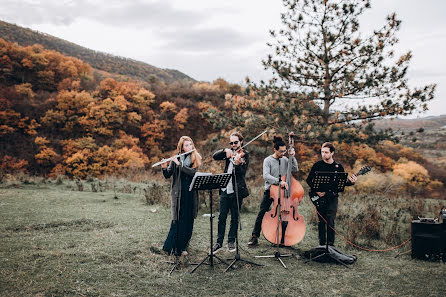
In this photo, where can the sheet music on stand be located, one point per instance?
(208, 181)
(326, 180)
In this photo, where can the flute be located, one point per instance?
(169, 159)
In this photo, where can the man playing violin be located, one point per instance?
(236, 159)
(274, 167)
(329, 209)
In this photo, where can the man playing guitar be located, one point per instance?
(329, 207)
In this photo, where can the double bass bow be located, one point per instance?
(283, 224)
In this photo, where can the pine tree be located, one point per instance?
(321, 53)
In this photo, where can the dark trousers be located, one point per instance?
(228, 202)
(328, 211)
(264, 207)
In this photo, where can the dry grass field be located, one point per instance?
(62, 238)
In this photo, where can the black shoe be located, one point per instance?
(231, 247)
(254, 241)
(216, 248)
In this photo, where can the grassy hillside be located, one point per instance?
(433, 122)
(98, 60)
(426, 135)
(59, 241)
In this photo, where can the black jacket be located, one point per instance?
(174, 169)
(240, 172)
(324, 167)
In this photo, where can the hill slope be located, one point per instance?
(98, 60)
(431, 122)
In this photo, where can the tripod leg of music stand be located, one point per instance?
(230, 265)
(202, 261)
(240, 259)
(250, 262)
(173, 268)
(175, 264)
(317, 257)
(221, 259)
(281, 262)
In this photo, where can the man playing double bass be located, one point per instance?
(329, 208)
(274, 167)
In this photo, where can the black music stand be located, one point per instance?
(325, 181)
(207, 181)
(237, 253)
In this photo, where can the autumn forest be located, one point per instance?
(62, 116)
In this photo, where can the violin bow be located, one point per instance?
(255, 138)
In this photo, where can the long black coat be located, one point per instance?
(240, 172)
(174, 169)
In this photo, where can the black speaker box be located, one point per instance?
(428, 240)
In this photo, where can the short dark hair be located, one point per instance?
(278, 142)
(329, 145)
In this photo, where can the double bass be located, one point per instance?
(283, 224)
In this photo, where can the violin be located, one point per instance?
(283, 224)
(235, 154)
(238, 154)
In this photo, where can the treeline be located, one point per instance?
(396, 169)
(98, 60)
(58, 117)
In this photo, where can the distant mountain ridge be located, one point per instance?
(426, 122)
(98, 60)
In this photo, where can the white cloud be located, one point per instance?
(210, 39)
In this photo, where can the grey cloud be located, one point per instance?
(40, 12)
(116, 13)
(207, 39)
(139, 13)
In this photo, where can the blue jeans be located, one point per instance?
(228, 202)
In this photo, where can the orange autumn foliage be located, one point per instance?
(9, 164)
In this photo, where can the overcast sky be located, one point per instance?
(208, 39)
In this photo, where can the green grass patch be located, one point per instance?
(59, 241)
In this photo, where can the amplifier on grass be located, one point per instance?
(428, 240)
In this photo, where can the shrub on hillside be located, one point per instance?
(157, 193)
